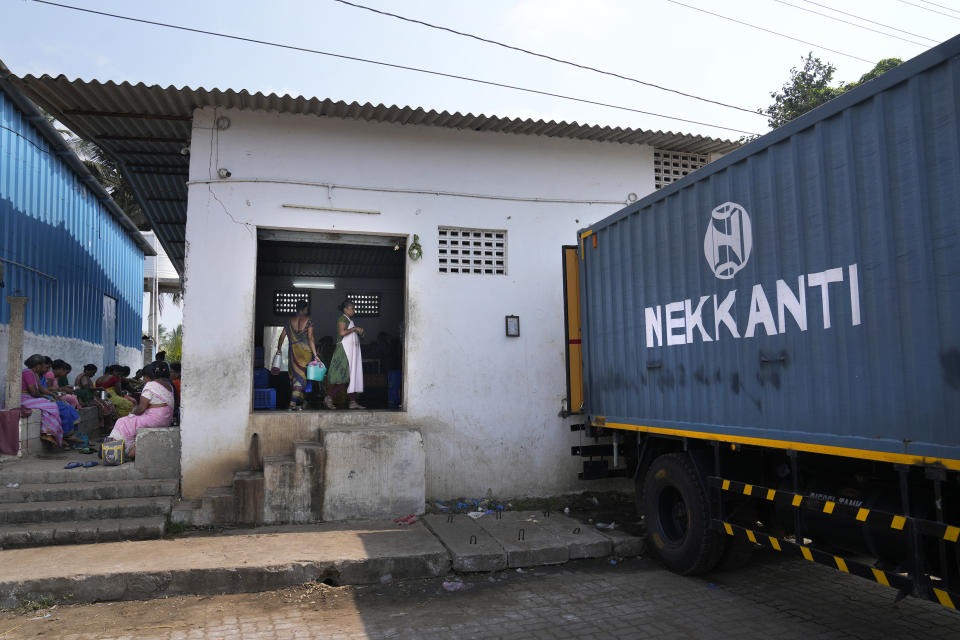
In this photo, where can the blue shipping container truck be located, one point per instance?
(773, 343)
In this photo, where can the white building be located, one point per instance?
(282, 190)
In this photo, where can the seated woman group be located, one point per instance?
(154, 409)
(45, 387)
(40, 389)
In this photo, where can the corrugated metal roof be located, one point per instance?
(145, 127)
(65, 153)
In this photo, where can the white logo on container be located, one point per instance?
(728, 240)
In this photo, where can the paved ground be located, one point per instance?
(775, 597)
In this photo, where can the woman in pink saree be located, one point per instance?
(34, 395)
(155, 408)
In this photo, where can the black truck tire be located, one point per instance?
(677, 516)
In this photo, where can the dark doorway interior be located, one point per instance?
(324, 270)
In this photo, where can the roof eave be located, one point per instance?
(65, 153)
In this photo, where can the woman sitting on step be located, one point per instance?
(34, 395)
(155, 408)
(110, 382)
(87, 395)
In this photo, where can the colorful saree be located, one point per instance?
(158, 414)
(299, 355)
(49, 412)
(346, 365)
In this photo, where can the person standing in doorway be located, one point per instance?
(346, 365)
(302, 348)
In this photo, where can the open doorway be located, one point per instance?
(322, 270)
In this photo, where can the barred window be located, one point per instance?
(285, 302)
(670, 166)
(474, 251)
(365, 305)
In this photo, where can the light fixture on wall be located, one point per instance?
(313, 283)
(513, 326)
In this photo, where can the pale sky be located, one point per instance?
(653, 40)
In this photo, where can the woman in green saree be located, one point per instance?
(346, 365)
(301, 351)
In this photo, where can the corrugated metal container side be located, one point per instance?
(51, 223)
(835, 317)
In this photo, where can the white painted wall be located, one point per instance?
(487, 404)
(74, 351)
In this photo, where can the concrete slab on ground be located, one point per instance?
(471, 548)
(345, 553)
(624, 544)
(526, 542)
(583, 541)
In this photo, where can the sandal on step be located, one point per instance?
(73, 465)
(90, 463)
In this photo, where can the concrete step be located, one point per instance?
(79, 491)
(45, 471)
(52, 533)
(188, 512)
(216, 507)
(248, 561)
(51, 513)
(281, 489)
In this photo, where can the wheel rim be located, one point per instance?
(673, 514)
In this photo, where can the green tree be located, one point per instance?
(171, 341)
(810, 86)
(108, 173)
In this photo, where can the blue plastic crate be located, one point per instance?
(264, 398)
(261, 378)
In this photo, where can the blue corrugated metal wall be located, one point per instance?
(873, 182)
(51, 222)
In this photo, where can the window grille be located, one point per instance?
(365, 305)
(285, 302)
(670, 166)
(476, 251)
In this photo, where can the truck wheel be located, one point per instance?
(677, 516)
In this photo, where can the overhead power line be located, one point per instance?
(879, 24)
(854, 24)
(942, 6)
(545, 56)
(776, 33)
(920, 6)
(391, 65)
